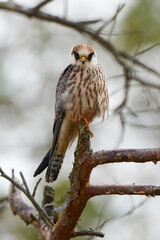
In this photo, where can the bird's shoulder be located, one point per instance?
(63, 77)
(60, 90)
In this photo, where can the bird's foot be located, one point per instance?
(86, 123)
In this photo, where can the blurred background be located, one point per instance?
(33, 54)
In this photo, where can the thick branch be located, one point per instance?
(78, 196)
(80, 190)
(126, 155)
(133, 189)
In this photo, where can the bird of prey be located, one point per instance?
(81, 93)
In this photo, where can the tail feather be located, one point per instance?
(43, 164)
(54, 167)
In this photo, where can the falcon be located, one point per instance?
(81, 93)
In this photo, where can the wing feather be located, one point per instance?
(60, 114)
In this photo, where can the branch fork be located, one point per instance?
(80, 190)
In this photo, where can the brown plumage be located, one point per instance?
(81, 92)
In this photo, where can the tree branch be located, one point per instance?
(40, 5)
(29, 196)
(80, 190)
(126, 155)
(26, 213)
(106, 23)
(25, 183)
(147, 49)
(35, 188)
(126, 61)
(148, 190)
(144, 82)
(118, 217)
(79, 179)
(119, 56)
(89, 233)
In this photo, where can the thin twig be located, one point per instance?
(35, 188)
(123, 126)
(40, 5)
(119, 9)
(28, 214)
(147, 127)
(120, 56)
(117, 217)
(25, 183)
(115, 76)
(106, 23)
(143, 82)
(41, 212)
(147, 49)
(92, 21)
(88, 233)
(138, 63)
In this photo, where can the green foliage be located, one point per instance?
(60, 191)
(141, 25)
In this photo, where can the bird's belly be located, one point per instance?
(82, 105)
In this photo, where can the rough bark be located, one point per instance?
(80, 190)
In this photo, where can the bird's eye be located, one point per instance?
(90, 56)
(76, 54)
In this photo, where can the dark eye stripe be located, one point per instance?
(90, 56)
(76, 54)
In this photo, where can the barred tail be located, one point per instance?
(54, 167)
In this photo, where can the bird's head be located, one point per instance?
(83, 55)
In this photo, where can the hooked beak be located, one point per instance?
(83, 59)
